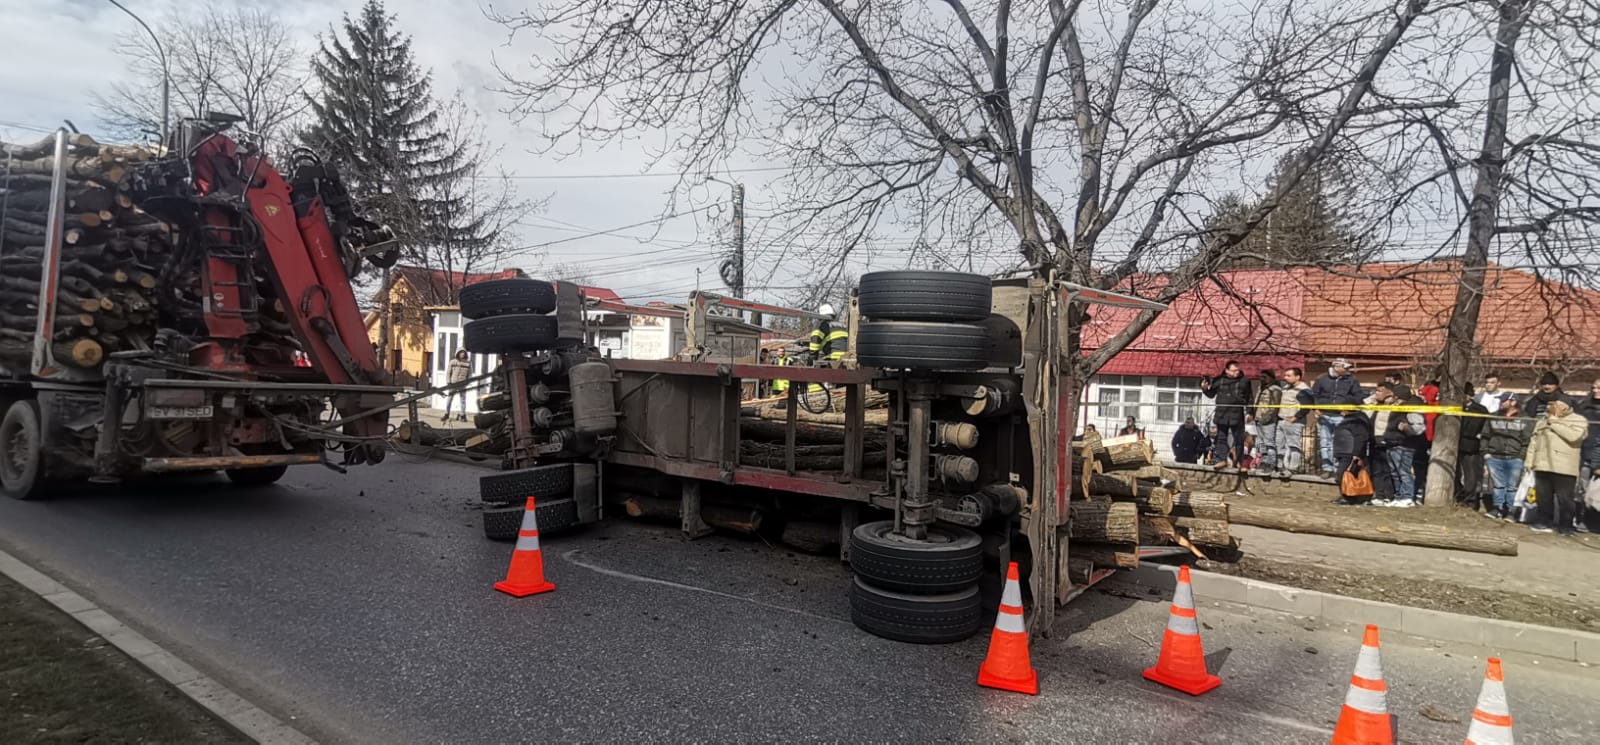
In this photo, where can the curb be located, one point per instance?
(229, 707)
(1546, 641)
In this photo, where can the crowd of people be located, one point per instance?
(1532, 458)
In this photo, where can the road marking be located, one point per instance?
(569, 558)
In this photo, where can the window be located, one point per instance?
(440, 354)
(1120, 396)
(1177, 399)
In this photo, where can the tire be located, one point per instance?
(916, 619)
(494, 402)
(501, 296)
(509, 334)
(925, 296)
(22, 451)
(913, 345)
(514, 487)
(488, 419)
(951, 561)
(555, 516)
(256, 476)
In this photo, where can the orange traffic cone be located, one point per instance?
(1491, 721)
(526, 576)
(1364, 720)
(1182, 664)
(1007, 667)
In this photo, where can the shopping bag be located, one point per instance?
(1524, 489)
(1357, 481)
(1591, 495)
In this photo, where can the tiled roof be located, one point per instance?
(1388, 311)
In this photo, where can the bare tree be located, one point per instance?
(1493, 149)
(1090, 132)
(242, 61)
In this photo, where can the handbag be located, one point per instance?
(1591, 494)
(1525, 491)
(1357, 481)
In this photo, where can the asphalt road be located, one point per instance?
(361, 606)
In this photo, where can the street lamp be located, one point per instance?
(166, 72)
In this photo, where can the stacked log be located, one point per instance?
(110, 253)
(1125, 500)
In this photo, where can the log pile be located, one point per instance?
(1122, 499)
(119, 284)
(110, 251)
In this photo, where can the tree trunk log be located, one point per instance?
(1115, 522)
(1150, 498)
(1155, 529)
(1124, 555)
(1130, 455)
(1208, 505)
(1401, 534)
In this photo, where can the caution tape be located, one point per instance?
(1395, 408)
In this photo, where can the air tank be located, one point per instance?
(594, 408)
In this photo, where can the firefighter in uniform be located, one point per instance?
(780, 387)
(828, 342)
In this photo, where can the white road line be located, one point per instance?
(568, 557)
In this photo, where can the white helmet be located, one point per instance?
(825, 310)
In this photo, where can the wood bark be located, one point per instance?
(1124, 555)
(1398, 533)
(421, 433)
(1115, 522)
(1130, 455)
(1208, 505)
(1150, 498)
(1156, 529)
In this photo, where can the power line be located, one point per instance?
(608, 231)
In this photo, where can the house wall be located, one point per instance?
(1159, 403)
(446, 338)
(410, 349)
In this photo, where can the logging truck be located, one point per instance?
(943, 449)
(158, 305)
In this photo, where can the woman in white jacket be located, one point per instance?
(1555, 455)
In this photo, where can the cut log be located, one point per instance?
(422, 433)
(1397, 533)
(741, 520)
(1115, 522)
(1150, 498)
(83, 353)
(1123, 555)
(1159, 529)
(1208, 505)
(1079, 571)
(754, 428)
(1130, 454)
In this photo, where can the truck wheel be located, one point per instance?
(913, 345)
(553, 481)
(951, 560)
(500, 296)
(925, 296)
(494, 402)
(21, 451)
(917, 619)
(256, 476)
(555, 516)
(488, 419)
(509, 334)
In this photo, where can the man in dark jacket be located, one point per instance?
(1590, 409)
(1549, 390)
(1505, 442)
(1189, 443)
(1402, 435)
(1469, 454)
(1336, 388)
(1231, 389)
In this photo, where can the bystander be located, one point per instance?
(1338, 387)
(1554, 456)
(1505, 442)
(1268, 398)
(1292, 424)
(1231, 390)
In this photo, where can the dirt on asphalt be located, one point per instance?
(61, 683)
(1551, 606)
(1582, 614)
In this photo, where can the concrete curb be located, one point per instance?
(229, 707)
(1562, 644)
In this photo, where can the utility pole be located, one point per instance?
(738, 240)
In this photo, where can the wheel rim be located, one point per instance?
(936, 536)
(19, 451)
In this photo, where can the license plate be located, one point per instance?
(178, 412)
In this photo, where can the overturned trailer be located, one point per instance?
(966, 465)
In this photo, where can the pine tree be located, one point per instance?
(1311, 225)
(376, 118)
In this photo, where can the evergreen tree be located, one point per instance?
(1311, 226)
(375, 117)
